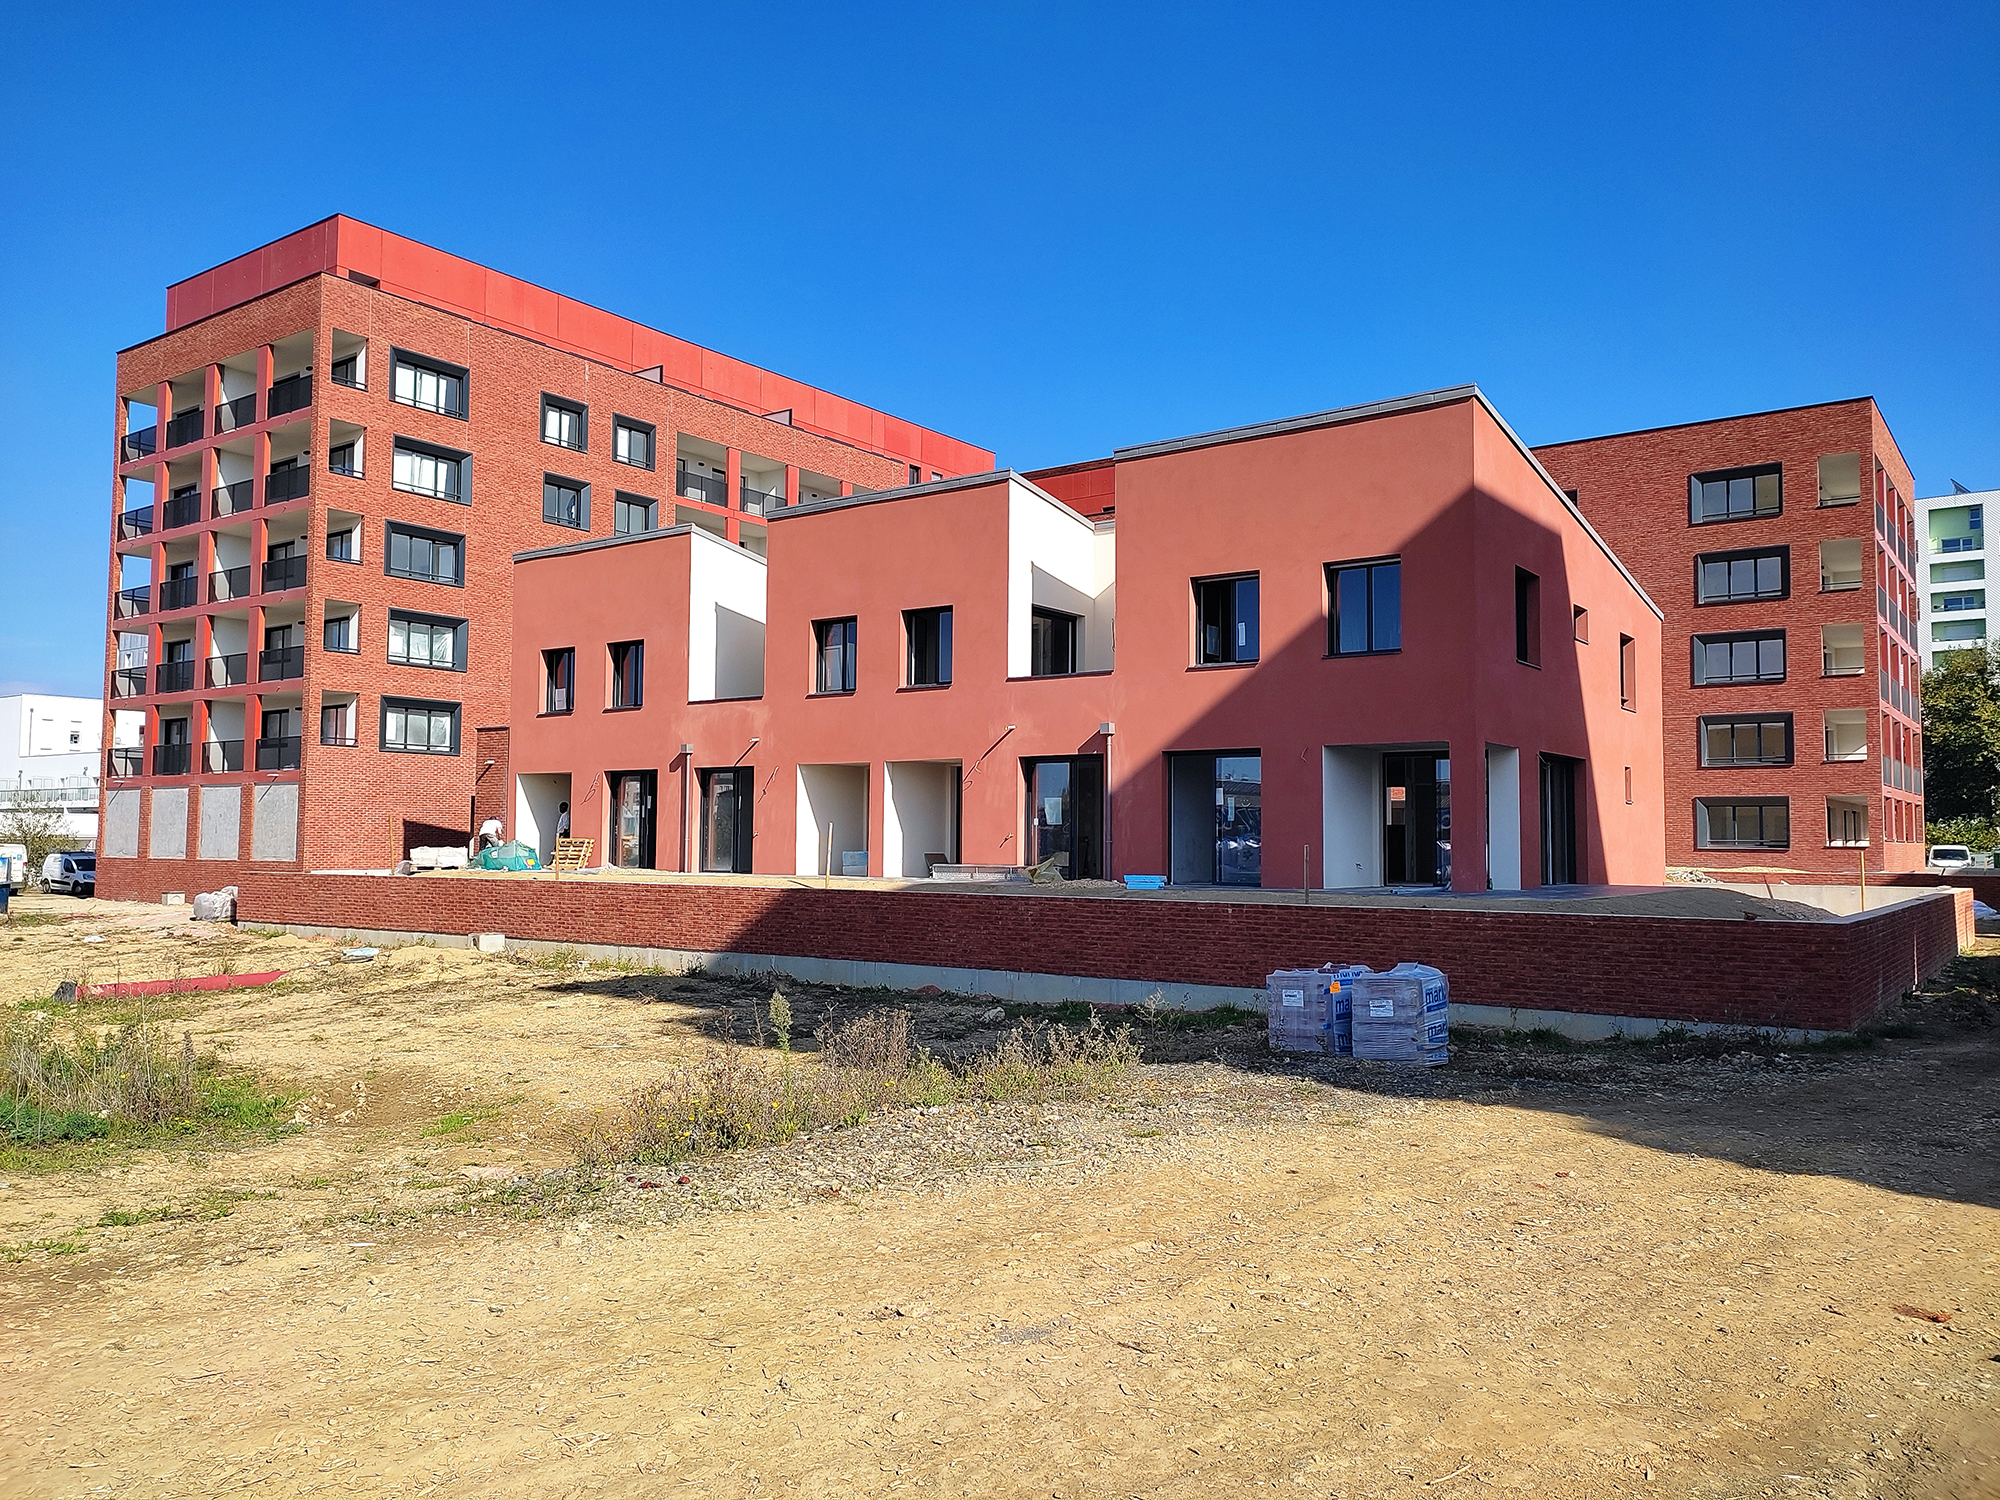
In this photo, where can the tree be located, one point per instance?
(1961, 697)
(39, 823)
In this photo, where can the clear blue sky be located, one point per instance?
(1046, 231)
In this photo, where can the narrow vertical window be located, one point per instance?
(1628, 672)
(559, 669)
(928, 632)
(1527, 617)
(833, 651)
(627, 673)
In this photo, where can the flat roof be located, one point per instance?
(1776, 411)
(901, 492)
(598, 543)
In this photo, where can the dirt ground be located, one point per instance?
(1541, 1271)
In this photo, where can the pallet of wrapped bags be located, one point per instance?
(1297, 1002)
(1402, 1016)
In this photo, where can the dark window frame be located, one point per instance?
(460, 460)
(580, 487)
(570, 408)
(431, 706)
(351, 624)
(392, 529)
(459, 628)
(625, 683)
(1698, 654)
(849, 651)
(1782, 552)
(400, 357)
(1072, 628)
(1751, 472)
(1733, 721)
(1628, 674)
(633, 424)
(1704, 839)
(1369, 567)
(927, 647)
(623, 501)
(1527, 617)
(1229, 624)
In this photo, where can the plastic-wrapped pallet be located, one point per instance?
(1297, 1002)
(1340, 1007)
(1402, 1016)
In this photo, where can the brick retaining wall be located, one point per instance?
(1829, 975)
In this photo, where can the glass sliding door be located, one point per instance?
(1216, 819)
(1416, 819)
(632, 819)
(1066, 815)
(1559, 862)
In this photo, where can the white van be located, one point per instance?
(1947, 857)
(14, 865)
(71, 871)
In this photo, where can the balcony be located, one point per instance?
(287, 484)
(341, 737)
(135, 522)
(125, 762)
(1974, 543)
(280, 753)
(756, 502)
(293, 393)
(711, 488)
(222, 755)
(177, 593)
(171, 760)
(228, 499)
(228, 671)
(139, 444)
(182, 509)
(238, 413)
(132, 602)
(174, 676)
(281, 664)
(128, 682)
(282, 573)
(228, 584)
(185, 428)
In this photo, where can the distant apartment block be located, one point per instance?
(1952, 530)
(50, 754)
(1788, 556)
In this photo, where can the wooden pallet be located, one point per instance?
(571, 854)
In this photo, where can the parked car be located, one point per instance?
(74, 872)
(1950, 857)
(14, 865)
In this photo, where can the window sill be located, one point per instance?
(1630, 708)
(1064, 676)
(835, 693)
(1764, 515)
(1345, 655)
(1836, 505)
(628, 464)
(1849, 844)
(1523, 662)
(352, 562)
(555, 713)
(1745, 765)
(1757, 681)
(1857, 672)
(1749, 599)
(342, 650)
(623, 708)
(1215, 666)
(923, 687)
(1840, 588)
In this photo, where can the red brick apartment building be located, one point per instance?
(1791, 714)
(324, 468)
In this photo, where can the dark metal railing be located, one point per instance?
(128, 682)
(336, 737)
(174, 676)
(344, 374)
(140, 444)
(757, 502)
(171, 760)
(181, 509)
(282, 573)
(290, 394)
(229, 583)
(228, 499)
(278, 753)
(137, 521)
(281, 663)
(232, 670)
(177, 593)
(238, 413)
(712, 488)
(135, 601)
(125, 762)
(287, 484)
(222, 755)
(186, 427)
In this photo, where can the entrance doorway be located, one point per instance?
(1066, 815)
(632, 797)
(725, 820)
(1559, 862)
(1216, 819)
(1416, 819)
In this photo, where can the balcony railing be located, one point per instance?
(174, 676)
(128, 682)
(228, 499)
(134, 601)
(281, 663)
(282, 573)
(177, 593)
(229, 583)
(292, 393)
(183, 509)
(137, 521)
(140, 444)
(232, 670)
(125, 762)
(238, 413)
(757, 502)
(711, 488)
(1974, 543)
(171, 760)
(222, 755)
(278, 753)
(341, 737)
(287, 484)
(186, 427)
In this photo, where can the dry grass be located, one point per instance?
(731, 1097)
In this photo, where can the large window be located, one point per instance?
(566, 502)
(1752, 657)
(833, 656)
(426, 641)
(628, 674)
(559, 677)
(427, 556)
(1367, 607)
(428, 385)
(564, 424)
(1225, 619)
(632, 443)
(1051, 643)
(419, 727)
(1734, 494)
(929, 634)
(338, 632)
(1751, 740)
(631, 514)
(1527, 617)
(1736, 577)
(1726, 823)
(421, 469)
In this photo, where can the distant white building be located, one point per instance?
(53, 748)
(1953, 528)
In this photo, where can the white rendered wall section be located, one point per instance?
(1351, 815)
(916, 815)
(1503, 818)
(1054, 557)
(726, 592)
